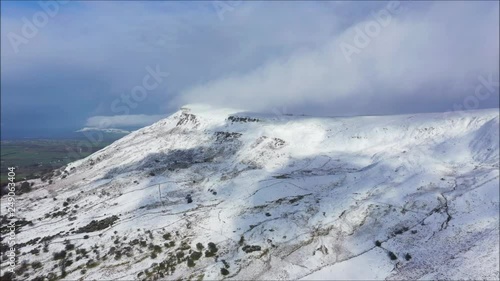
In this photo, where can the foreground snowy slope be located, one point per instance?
(212, 194)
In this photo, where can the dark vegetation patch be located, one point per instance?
(242, 119)
(97, 225)
(212, 250)
(223, 136)
(251, 248)
(392, 256)
(401, 230)
(224, 271)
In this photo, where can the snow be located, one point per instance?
(314, 193)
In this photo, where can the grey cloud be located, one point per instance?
(121, 121)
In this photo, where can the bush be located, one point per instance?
(199, 246)
(60, 255)
(179, 255)
(224, 271)
(196, 255)
(118, 255)
(212, 247)
(392, 256)
(378, 243)
(407, 257)
(190, 263)
(209, 254)
(167, 236)
(249, 249)
(36, 264)
(169, 244)
(157, 249)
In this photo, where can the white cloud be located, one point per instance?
(446, 44)
(121, 121)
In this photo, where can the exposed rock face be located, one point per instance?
(210, 195)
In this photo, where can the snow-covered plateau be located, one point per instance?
(210, 194)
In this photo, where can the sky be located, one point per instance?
(67, 65)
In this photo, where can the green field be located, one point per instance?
(33, 158)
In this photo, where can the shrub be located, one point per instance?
(169, 244)
(392, 256)
(224, 271)
(36, 264)
(157, 249)
(199, 246)
(153, 255)
(85, 237)
(378, 243)
(118, 255)
(190, 262)
(20, 270)
(179, 255)
(212, 247)
(69, 247)
(60, 255)
(167, 236)
(209, 254)
(249, 249)
(407, 257)
(196, 255)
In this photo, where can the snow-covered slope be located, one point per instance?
(212, 194)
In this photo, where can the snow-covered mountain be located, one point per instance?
(211, 194)
(105, 130)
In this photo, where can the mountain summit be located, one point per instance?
(211, 194)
